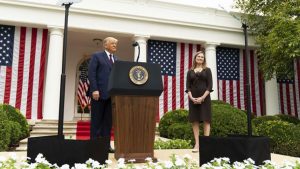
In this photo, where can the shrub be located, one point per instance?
(15, 115)
(171, 117)
(261, 119)
(4, 134)
(288, 118)
(172, 144)
(15, 132)
(181, 131)
(285, 137)
(227, 120)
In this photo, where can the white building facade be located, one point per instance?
(128, 21)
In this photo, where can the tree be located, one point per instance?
(275, 25)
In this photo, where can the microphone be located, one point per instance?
(138, 45)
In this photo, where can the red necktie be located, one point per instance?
(111, 59)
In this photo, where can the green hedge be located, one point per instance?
(181, 131)
(15, 115)
(13, 126)
(225, 120)
(284, 136)
(15, 132)
(283, 130)
(172, 144)
(261, 119)
(4, 134)
(288, 118)
(171, 117)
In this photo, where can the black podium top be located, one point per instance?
(120, 82)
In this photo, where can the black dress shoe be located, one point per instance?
(111, 150)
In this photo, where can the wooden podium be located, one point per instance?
(134, 108)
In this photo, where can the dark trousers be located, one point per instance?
(101, 118)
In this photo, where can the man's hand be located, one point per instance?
(96, 95)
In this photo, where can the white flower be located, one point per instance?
(121, 165)
(267, 162)
(108, 162)
(13, 156)
(207, 165)
(238, 165)
(153, 164)
(89, 161)
(179, 162)
(54, 165)
(138, 167)
(249, 161)
(158, 167)
(121, 160)
(33, 166)
(2, 159)
(80, 166)
(187, 156)
(149, 159)
(217, 160)
(288, 163)
(131, 160)
(219, 167)
(225, 159)
(95, 164)
(39, 158)
(65, 166)
(168, 164)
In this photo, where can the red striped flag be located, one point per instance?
(22, 69)
(175, 60)
(83, 85)
(231, 72)
(289, 99)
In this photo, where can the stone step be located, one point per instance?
(23, 143)
(53, 123)
(47, 132)
(48, 128)
(53, 128)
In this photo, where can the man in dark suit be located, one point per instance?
(99, 69)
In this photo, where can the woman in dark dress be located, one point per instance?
(199, 86)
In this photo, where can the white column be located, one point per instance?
(142, 40)
(53, 73)
(272, 99)
(211, 59)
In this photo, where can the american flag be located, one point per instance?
(288, 90)
(231, 72)
(22, 68)
(83, 85)
(175, 60)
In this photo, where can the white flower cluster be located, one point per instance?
(175, 162)
(224, 163)
(41, 163)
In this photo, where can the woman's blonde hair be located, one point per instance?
(194, 60)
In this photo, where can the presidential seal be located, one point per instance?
(138, 75)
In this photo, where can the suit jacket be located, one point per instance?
(98, 73)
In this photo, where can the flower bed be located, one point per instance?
(175, 162)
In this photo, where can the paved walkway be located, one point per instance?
(165, 154)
